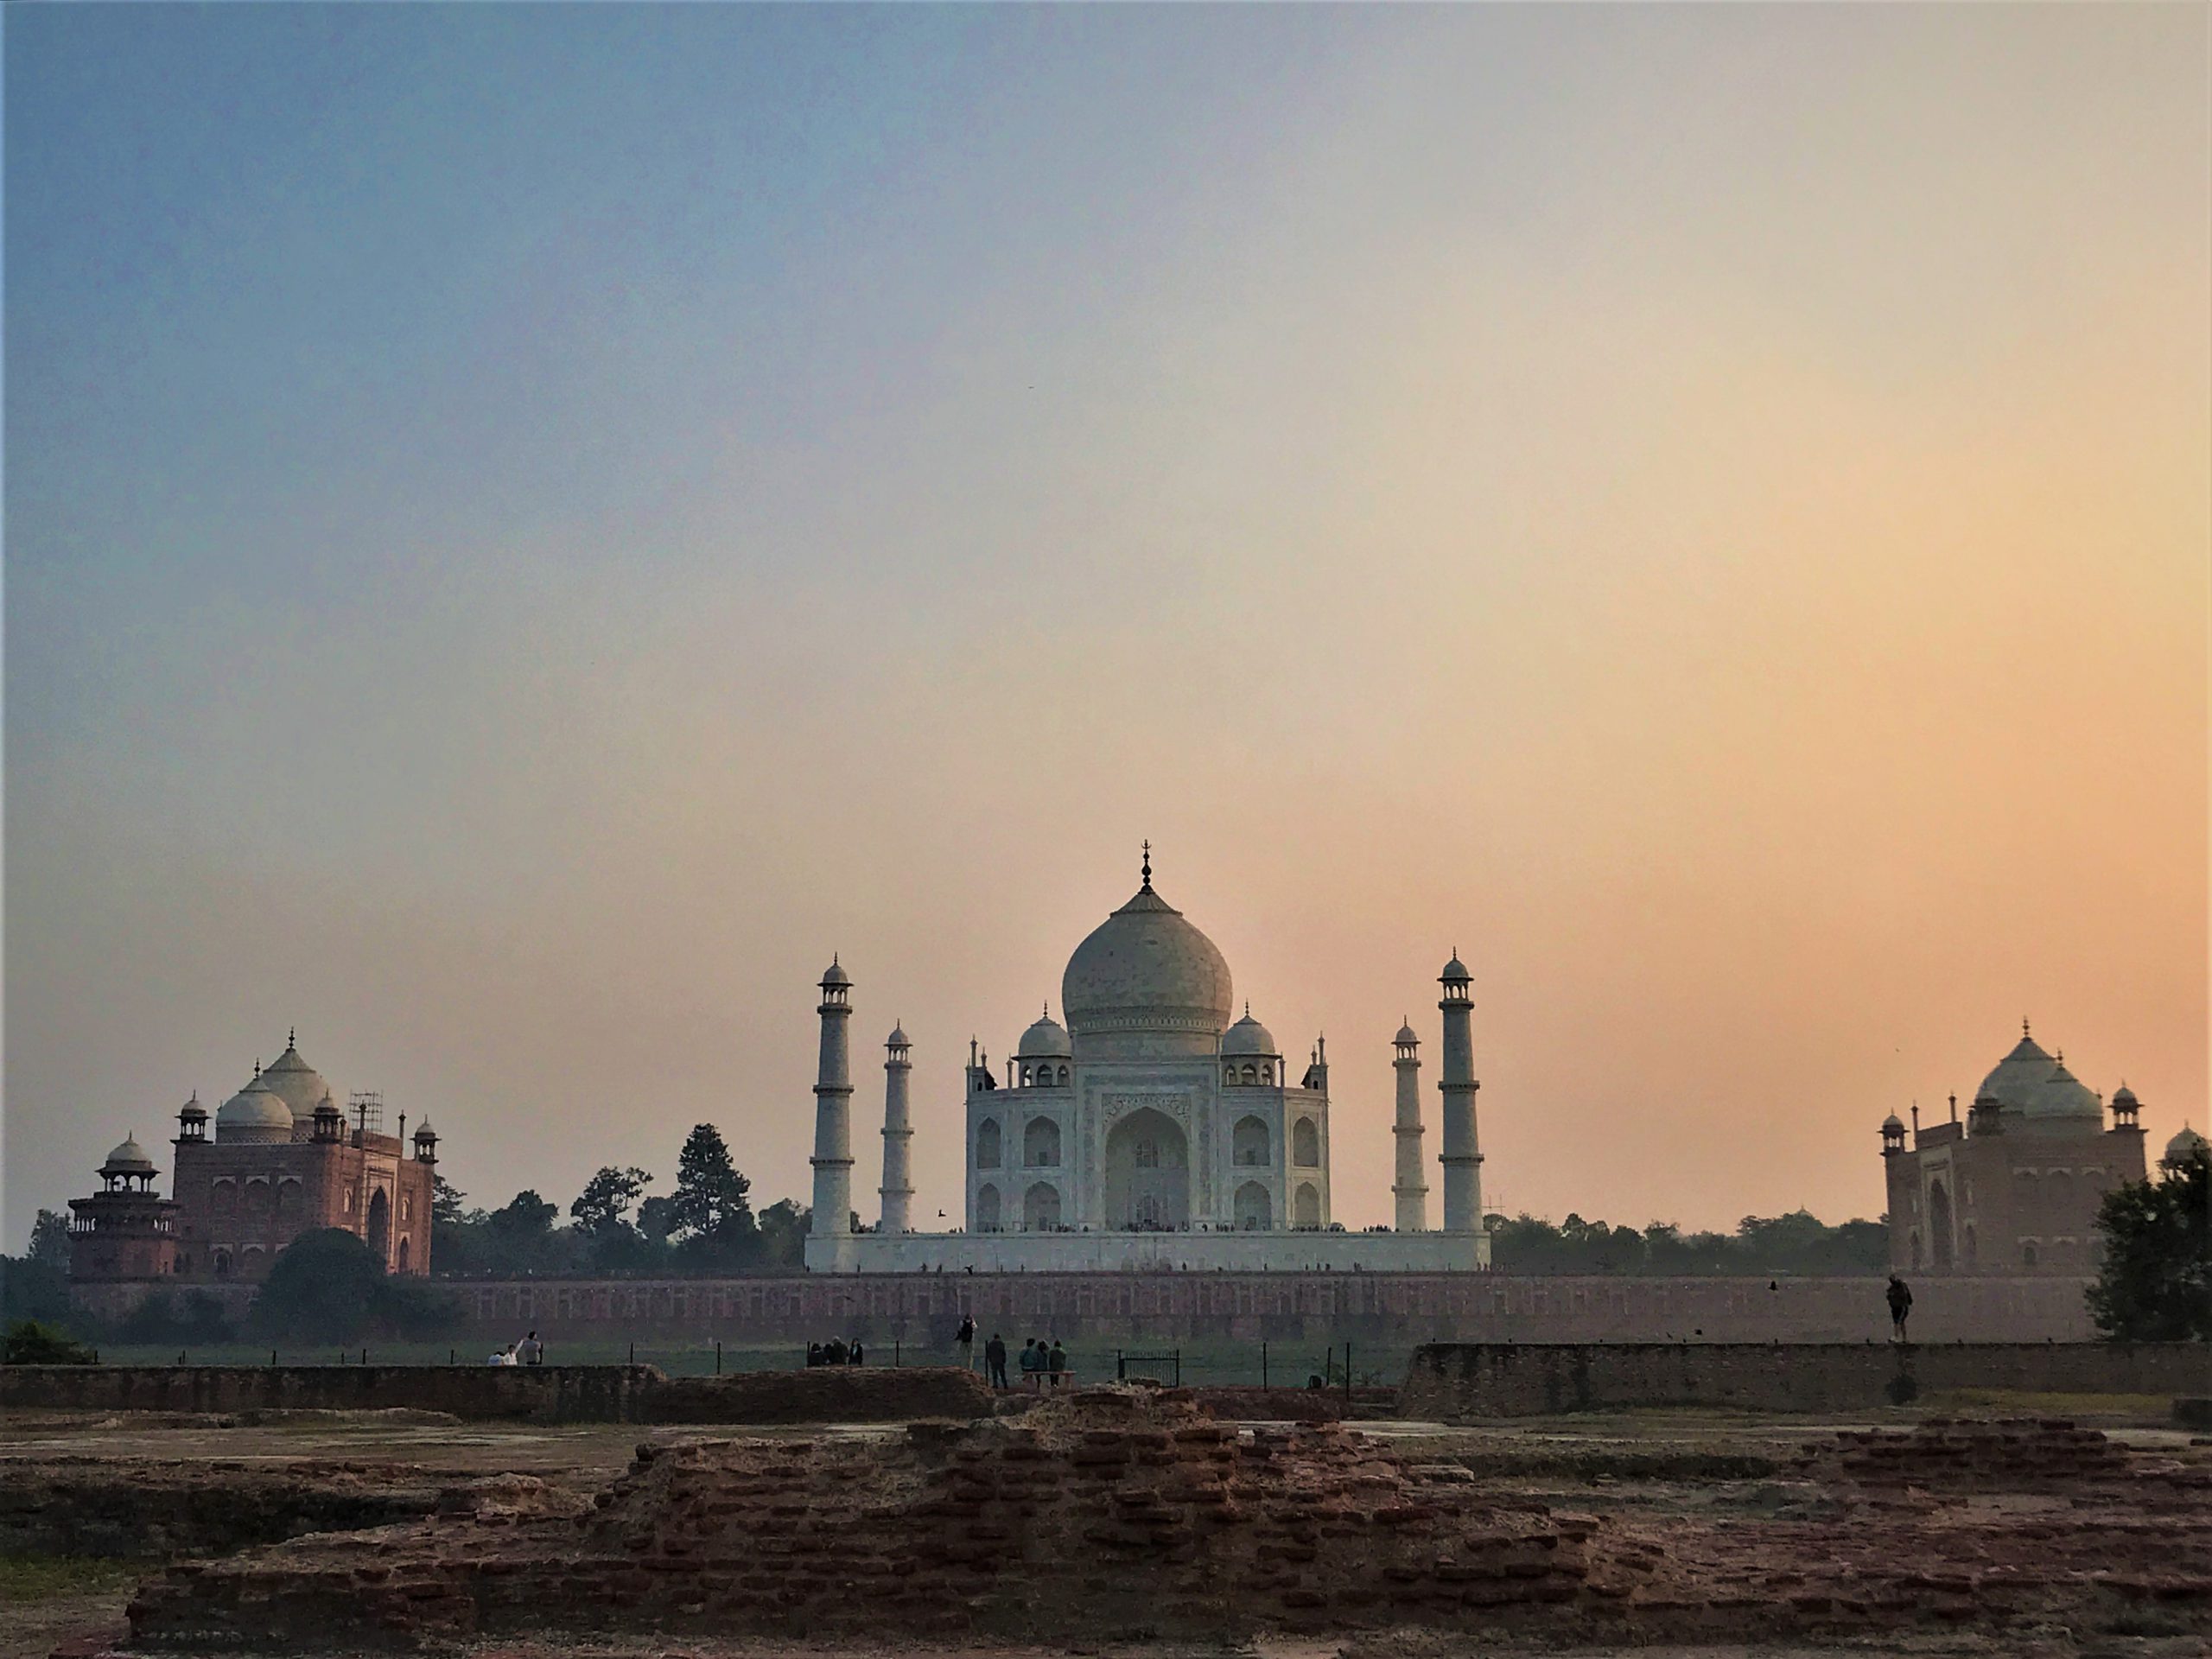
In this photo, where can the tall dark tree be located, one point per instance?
(710, 1194)
(2155, 1282)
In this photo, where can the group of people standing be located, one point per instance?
(1042, 1366)
(836, 1351)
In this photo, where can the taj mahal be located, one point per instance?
(1151, 1131)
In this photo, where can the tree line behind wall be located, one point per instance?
(706, 1225)
(1796, 1243)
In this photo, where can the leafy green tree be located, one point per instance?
(604, 1205)
(328, 1286)
(783, 1236)
(50, 1240)
(656, 1219)
(2154, 1283)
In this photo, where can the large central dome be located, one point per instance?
(1145, 969)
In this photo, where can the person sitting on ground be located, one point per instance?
(994, 1360)
(1056, 1361)
(530, 1350)
(813, 1353)
(503, 1356)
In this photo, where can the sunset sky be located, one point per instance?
(530, 527)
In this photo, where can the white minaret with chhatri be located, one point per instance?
(897, 1188)
(1462, 1161)
(1412, 1191)
(833, 1112)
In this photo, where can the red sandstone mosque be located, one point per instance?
(2015, 1189)
(284, 1159)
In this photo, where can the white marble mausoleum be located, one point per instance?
(1150, 1131)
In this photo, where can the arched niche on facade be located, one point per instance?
(1249, 1144)
(1254, 1208)
(1040, 1208)
(1040, 1144)
(1305, 1207)
(987, 1144)
(986, 1208)
(1305, 1144)
(1147, 1173)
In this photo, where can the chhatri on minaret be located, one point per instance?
(1150, 1129)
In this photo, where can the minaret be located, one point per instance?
(1412, 1191)
(833, 1112)
(1463, 1178)
(897, 1188)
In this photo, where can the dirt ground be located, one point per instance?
(1719, 1472)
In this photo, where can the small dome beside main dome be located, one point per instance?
(255, 1113)
(2064, 1097)
(1146, 970)
(2185, 1146)
(1047, 1039)
(1249, 1036)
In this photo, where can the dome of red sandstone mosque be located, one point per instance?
(293, 1081)
(255, 1113)
(1146, 969)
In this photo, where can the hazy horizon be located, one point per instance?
(528, 528)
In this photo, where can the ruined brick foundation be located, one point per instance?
(1125, 1516)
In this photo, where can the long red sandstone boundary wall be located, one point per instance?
(923, 1310)
(1447, 1381)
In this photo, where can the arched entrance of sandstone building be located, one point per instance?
(403, 1255)
(1939, 1223)
(380, 1226)
(1147, 1173)
(1254, 1213)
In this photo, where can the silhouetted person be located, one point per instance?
(964, 1343)
(994, 1360)
(1056, 1361)
(1900, 1306)
(852, 1356)
(813, 1353)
